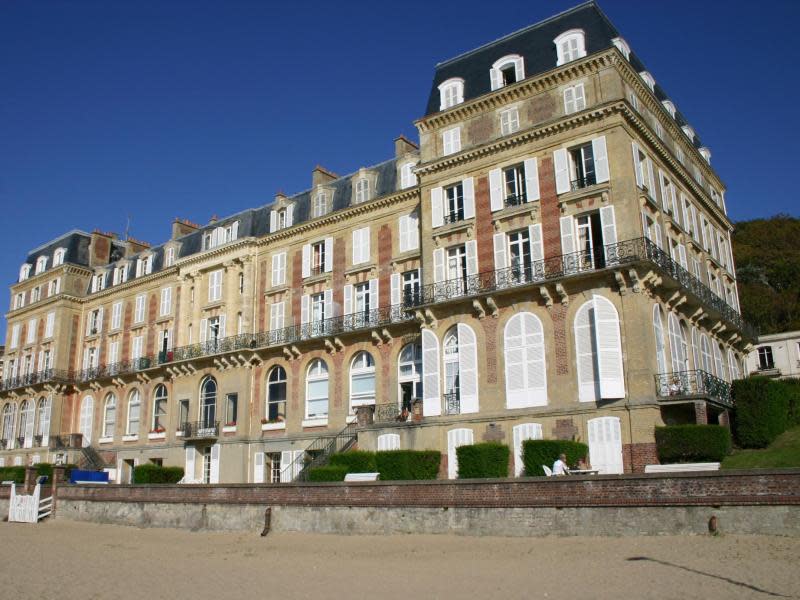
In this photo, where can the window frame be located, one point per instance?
(564, 38)
(451, 93)
(317, 371)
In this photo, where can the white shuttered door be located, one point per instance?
(609, 349)
(609, 225)
(525, 431)
(532, 179)
(456, 438)
(87, 413)
(188, 474)
(214, 475)
(605, 445)
(469, 197)
(437, 212)
(258, 468)
(432, 405)
(395, 287)
(286, 466)
(526, 377)
(467, 368)
(388, 441)
(567, 236)
(562, 171)
(500, 251)
(600, 159)
(495, 189)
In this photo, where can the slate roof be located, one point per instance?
(76, 242)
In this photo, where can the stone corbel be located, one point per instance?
(329, 347)
(143, 378)
(479, 310)
(254, 361)
(634, 276)
(338, 343)
(218, 364)
(376, 338)
(623, 288)
(697, 316)
(734, 338)
(29, 391)
(419, 317)
(562, 293)
(604, 197)
(295, 351)
(492, 306)
(287, 353)
(470, 232)
(387, 337)
(95, 386)
(118, 382)
(430, 318)
(548, 299)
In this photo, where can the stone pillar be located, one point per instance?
(365, 415)
(30, 479)
(59, 478)
(725, 419)
(417, 410)
(700, 413)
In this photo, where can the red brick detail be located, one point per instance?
(385, 393)
(336, 386)
(551, 213)
(126, 330)
(297, 286)
(701, 413)
(484, 231)
(636, 456)
(558, 313)
(152, 313)
(74, 343)
(385, 265)
(296, 387)
(490, 343)
(339, 264)
(260, 303)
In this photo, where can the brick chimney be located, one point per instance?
(403, 146)
(321, 176)
(100, 248)
(181, 227)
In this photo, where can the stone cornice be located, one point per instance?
(41, 304)
(63, 269)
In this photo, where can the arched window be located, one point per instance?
(526, 373)
(317, 390)
(407, 176)
(658, 330)
(570, 45)
(733, 363)
(599, 351)
(41, 264)
(679, 348)
(109, 416)
(276, 395)
(24, 272)
(208, 402)
(409, 374)
(460, 370)
(509, 69)
(26, 423)
(43, 427)
(451, 92)
(719, 362)
(134, 410)
(58, 256)
(362, 380)
(705, 355)
(160, 408)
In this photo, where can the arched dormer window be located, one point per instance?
(507, 70)
(670, 108)
(706, 153)
(58, 256)
(623, 47)
(41, 264)
(570, 45)
(451, 92)
(121, 273)
(687, 129)
(362, 190)
(24, 272)
(320, 204)
(407, 176)
(648, 80)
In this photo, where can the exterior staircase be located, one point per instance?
(92, 460)
(321, 449)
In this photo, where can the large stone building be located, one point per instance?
(775, 355)
(552, 261)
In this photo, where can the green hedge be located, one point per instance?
(401, 465)
(150, 473)
(327, 473)
(536, 453)
(482, 460)
(792, 387)
(355, 461)
(15, 474)
(762, 410)
(692, 443)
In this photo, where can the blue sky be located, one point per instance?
(157, 109)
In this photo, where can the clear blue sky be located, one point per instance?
(157, 109)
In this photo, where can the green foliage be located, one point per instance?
(150, 473)
(792, 390)
(15, 474)
(399, 465)
(355, 461)
(762, 410)
(482, 460)
(327, 473)
(692, 443)
(768, 272)
(784, 452)
(536, 453)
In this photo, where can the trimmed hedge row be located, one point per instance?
(489, 459)
(692, 443)
(327, 473)
(149, 473)
(15, 474)
(765, 408)
(536, 453)
(406, 465)
(355, 461)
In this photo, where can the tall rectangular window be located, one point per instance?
(215, 286)
(451, 140)
(183, 413)
(582, 166)
(138, 313)
(509, 121)
(454, 208)
(231, 409)
(318, 258)
(574, 99)
(514, 185)
(411, 286)
(166, 301)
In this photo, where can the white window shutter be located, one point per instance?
(609, 225)
(258, 467)
(273, 221)
(609, 348)
(532, 179)
(328, 297)
(88, 325)
(651, 185)
(222, 319)
(659, 239)
(495, 79)
(215, 455)
(455, 439)
(356, 246)
(468, 368)
(402, 229)
(203, 330)
(500, 251)
(395, 285)
(682, 256)
(306, 268)
(515, 363)
(495, 189)
(432, 405)
(169, 339)
(664, 201)
(600, 159)
(388, 441)
(275, 269)
(374, 298)
(413, 231)
(567, 236)
(45, 432)
(290, 215)
(537, 244)
(305, 309)
(472, 257)
(286, 466)
(100, 314)
(522, 432)
(562, 171)
(348, 299)
(437, 208)
(468, 186)
(438, 265)
(188, 474)
(328, 254)
(637, 167)
(605, 445)
(584, 354)
(365, 243)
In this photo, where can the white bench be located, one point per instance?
(362, 477)
(682, 467)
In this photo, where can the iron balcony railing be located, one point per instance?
(611, 256)
(582, 182)
(516, 200)
(317, 270)
(697, 383)
(453, 217)
(4, 445)
(321, 449)
(200, 430)
(391, 413)
(21, 442)
(45, 376)
(452, 404)
(66, 442)
(123, 367)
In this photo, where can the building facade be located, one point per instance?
(552, 261)
(776, 355)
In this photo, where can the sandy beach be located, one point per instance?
(69, 560)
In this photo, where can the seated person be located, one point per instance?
(560, 466)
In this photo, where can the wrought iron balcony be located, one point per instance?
(66, 442)
(681, 385)
(45, 376)
(516, 200)
(391, 413)
(21, 441)
(453, 216)
(200, 430)
(4, 445)
(317, 270)
(582, 182)
(123, 367)
(37, 440)
(452, 404)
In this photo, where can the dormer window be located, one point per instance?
(570, 45)
(689, 132)
(623, 47)
(362, 190)
(451, 92)
(506, 71)
(319, 204)
(648, 80)
(120, 274)
(58, 256)
(169, 256)
(144, 265)
(24, 272)
(407, 176)
(706, 153)
(670, 108)
(41, 264)
(281, 218)
(220, 235)
(98, 282)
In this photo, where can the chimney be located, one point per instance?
(181, 227)
(99, 248)
(321, 176)
(134, 246)
(403, 146)
(279, 197)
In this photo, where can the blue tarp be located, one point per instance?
(88, 476)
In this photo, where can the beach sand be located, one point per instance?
(83, 561)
